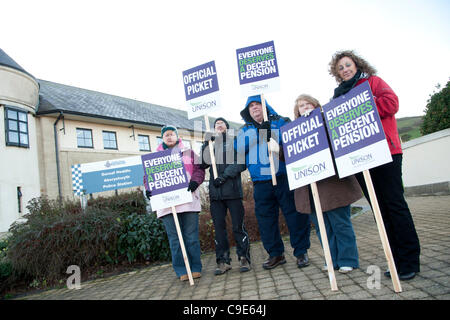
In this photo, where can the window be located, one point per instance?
(16, 124)
(144, 143)
(84, 138)
(159, 140)
(109, 140)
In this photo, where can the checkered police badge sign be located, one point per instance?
(77, 179)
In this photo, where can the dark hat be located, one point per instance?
(225, 121)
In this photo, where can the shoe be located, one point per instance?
(303, 261)
(345, 269)
(325, 268)
(272, 262)
(184, 277)
(222, 267)
(196, 275)
(402, 275)
(244, 265)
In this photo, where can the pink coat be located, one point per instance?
(195, 173)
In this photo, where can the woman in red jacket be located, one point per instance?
(349, 71)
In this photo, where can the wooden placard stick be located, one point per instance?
(211, 148)
(272, 165)
(382, 232)
(324, 237)
(183, 249)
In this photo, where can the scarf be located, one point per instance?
(346, 86)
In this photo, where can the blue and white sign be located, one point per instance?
(107, 175)
(306, 150)
(201, 88)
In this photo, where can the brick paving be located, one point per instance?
(287, 282)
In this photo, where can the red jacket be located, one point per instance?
(387, 105)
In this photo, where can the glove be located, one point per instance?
(192, 186)
(148, 194)
(266, 126)
(209, 136)
(219, 181)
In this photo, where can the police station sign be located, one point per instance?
(201, 89)
(356, 133)
(306, 150)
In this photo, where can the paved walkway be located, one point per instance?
(432, 219)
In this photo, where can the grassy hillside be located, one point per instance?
(409, 127)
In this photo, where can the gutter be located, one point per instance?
(61, 115)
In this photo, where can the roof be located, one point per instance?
(7, 61)
(56, 97)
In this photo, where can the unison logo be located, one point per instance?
(114, 163)
(308, 171)
(196, 106)
(361, 159)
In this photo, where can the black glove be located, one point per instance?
(266, 126)
(209, 136)
(192, 186)
(219, 181)
(148, 194)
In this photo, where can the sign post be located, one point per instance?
(308, 159)
(258, 74)
(165, 176)
(359, 144)
(201, 88)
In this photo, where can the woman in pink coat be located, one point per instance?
(187, 213)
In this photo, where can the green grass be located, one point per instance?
(409, 127)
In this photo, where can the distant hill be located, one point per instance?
(409, 127)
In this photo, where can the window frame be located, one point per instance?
(18, 131)
(92, 138)
(115, 140)
(148, 142)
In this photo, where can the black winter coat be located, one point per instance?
(224, 152)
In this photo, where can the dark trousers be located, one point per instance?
(268, 201)
(219, 213)
(397, 219)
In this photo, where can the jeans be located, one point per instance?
(268, 201)
(189, 229)
(341, 237)
(219, 213)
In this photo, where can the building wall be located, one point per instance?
(19, 165)
(70, 153)
(426, 160)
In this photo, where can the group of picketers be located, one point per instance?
(248, 149)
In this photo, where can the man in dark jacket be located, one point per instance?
(251, 142)
(225, 192)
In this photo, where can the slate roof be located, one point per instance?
(7, 61)
(55, 97)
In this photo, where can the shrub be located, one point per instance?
(44, 248)
(143, 237)
(437, 111)
(125, 203)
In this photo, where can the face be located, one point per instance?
(346, 68)
(255, 110)
(170, 138)
(304, 106)
(220, 126)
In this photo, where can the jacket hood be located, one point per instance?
(245, 114)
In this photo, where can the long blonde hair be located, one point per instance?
(305, 97)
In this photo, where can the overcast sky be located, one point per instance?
(138, 49)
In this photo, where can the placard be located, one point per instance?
(258, 69)
(356, 133)
(165, 176)
(201, 89)
(306, 150)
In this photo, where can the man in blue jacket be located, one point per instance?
(252, 141)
